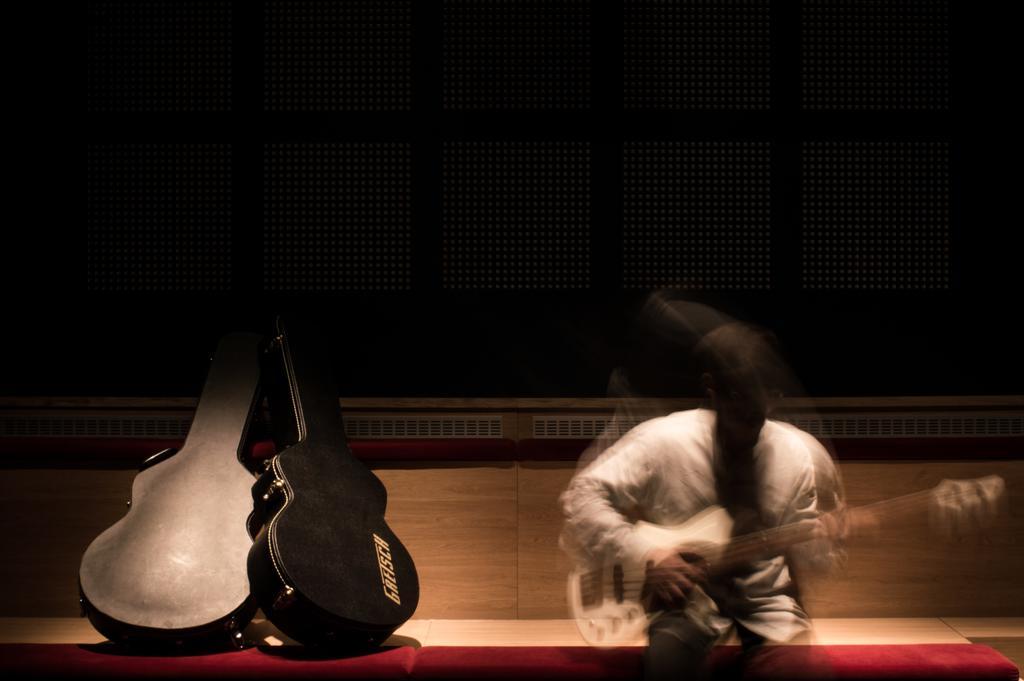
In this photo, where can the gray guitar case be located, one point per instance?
(173, 570)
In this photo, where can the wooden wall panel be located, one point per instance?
(907, 573)
(459, 523)
(485, 541)
(543, 567)
(48, 518)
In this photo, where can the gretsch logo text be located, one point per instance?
(387, 569)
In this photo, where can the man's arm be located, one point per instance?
(601, 499)
(819, 499)
(600, 508)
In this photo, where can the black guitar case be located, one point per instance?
(173, 569)
(324, 567)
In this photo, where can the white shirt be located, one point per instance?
(664, 471)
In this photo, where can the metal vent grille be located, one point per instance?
(159, 55)
(876, 55)
(838, 426)
(516, 215)
(697, 215)
(159, 217)
(575, 427)
(876, 215)
(696, 54)
(867, 425)
(518, 54)
(321, 55)
(370, 427)
(169, 427)
(337, 217)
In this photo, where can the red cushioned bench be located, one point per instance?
(946, 662)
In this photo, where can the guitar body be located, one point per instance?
(324, 566)
(605, 600)
(173, 569)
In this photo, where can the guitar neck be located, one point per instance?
(773, 541)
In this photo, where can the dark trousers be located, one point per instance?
(679, 649)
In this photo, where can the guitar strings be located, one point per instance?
(742, 547)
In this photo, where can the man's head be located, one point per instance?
(739, 366)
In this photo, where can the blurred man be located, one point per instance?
(666, 470)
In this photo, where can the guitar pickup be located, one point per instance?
(591, 591)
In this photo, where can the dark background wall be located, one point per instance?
(474, 198)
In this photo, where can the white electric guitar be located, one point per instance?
(606, 599)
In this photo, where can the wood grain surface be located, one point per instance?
(485, 541)
(905, 572)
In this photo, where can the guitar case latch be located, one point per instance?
(284, 598)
